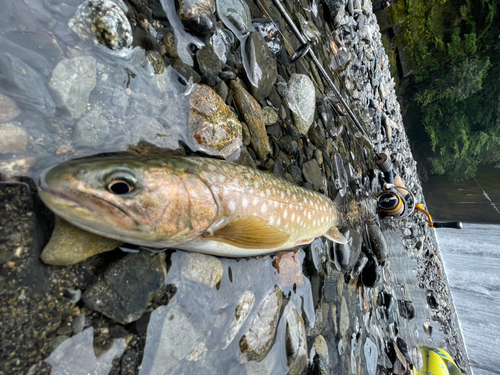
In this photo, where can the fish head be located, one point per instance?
(144, 201)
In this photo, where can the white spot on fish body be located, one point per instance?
(293, 216)
(212, 167)
(255, 201)
(288, 192)
(263, 208)
(256, 185)
(285, 214)
(244, 202)
(232, 206)
(282, 195)
(268, 192)
(278, 222)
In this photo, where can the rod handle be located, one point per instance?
(450, 224)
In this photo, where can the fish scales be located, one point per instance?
(190, 203)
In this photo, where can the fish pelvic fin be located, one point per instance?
(334, 235)
(250, 232)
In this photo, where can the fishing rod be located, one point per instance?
(306, 49)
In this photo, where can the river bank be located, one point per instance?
(311, 310)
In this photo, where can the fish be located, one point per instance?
(189, 203)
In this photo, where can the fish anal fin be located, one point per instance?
(305, 242)
(334, 235)
(250, 232)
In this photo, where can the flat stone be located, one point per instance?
(302, 101)
(257, 340)
(296, 341)
(251, 112)
(13, 139)
(72, 82)
(321, 347)
(197, 16)
(127, 286)
(213, 128)
(150, 130)
(70, 245)
(241, 312)
(347, 254)
(202, 268)
(91, 131)
(261, 70)
(8, 109)
(209, 63)
(317, 135)
(312, 174)
(344, 317)
(16, 166)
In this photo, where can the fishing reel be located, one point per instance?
(395, 201)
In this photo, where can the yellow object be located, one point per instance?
(436, 362)
(421, 209)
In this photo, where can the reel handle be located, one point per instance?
(450, 224)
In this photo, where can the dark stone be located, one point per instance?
(432, 299)
(296, 174)
(348, 254)
(209, 63)
(274, 130)
(127, 286)
(262, 71)
(406, 309)
(186, 71)
(198, 16)
(227, 75)
(312, 173)
(289, 146)
(293, 132)
(317, 135)
(379, 245)
(25, 86)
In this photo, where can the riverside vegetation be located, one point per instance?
(449, 79)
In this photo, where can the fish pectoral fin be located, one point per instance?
(334, 235)
(250, 232)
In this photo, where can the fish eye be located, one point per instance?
(121, 183)
(120, 186)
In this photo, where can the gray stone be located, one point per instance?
(257, 340)
(321, 347)
(78, 324)
(312, 174)
(261, 66)
(344, 317)
(347, 254)
(296, 341)
(8, 109)
(209, 63)
(302, 101)
(72, 82)
(378, 243)
(317, 135)
(241, 313)
(150, 130)
(12, 139)
(91, 131)
(127, 287)
(321, 319)
(202, 268)
(271, 33)
(269, 115)
(296, 173)
(197, 16)
(25, 86)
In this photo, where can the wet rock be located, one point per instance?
(317, 135)
(359, 266)
(156, 60)
(251, 112)
(91, 131)
(16, 166)
(8, 109)
(321, 319)
(64, 361)
(13, 139)
(241, 313)
(72, 82)
(78, 324)
(261, 69)
(289, 267)
(25, 86)
(150, 130)
(296, 173)
(222, 90)
(406, 309)
(213, 128)
(127, 287)
(269, 115)
(104, 23)
(371, 356)
(209, 63)
(269, 29)
(296, 341)
(235, 14)
(433, 299)
(70, 245)
(371, 275)
(321, 347)
(302, 101)
(257, 340)
(197, 16)
(378, 243)
(247, 138)
(312, 174)
(246, 159)
(203, 269)
(347, 254)
(344, 317)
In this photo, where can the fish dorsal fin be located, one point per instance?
(334, 235)
(250, 232)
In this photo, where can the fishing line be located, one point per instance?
(487, 196)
